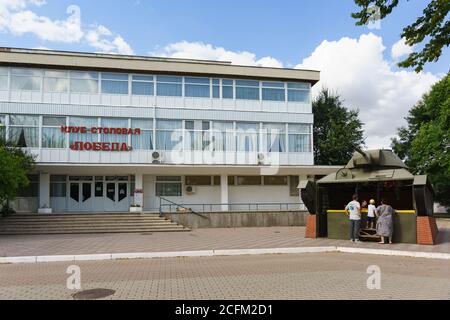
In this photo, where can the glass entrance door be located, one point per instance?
(117, 194)
(80, 194)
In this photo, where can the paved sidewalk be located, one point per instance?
(200, 239)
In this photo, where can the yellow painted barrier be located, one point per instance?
(365, 211)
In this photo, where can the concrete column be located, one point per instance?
(139, 185)
(224, 192)
(44, 193)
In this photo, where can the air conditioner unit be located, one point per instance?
(190, 190)
(157, 157)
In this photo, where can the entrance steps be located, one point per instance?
(35, 224)
(369, 234)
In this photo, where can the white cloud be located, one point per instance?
(357, 70)
(101, 38)
(17, 18)
(200, 50)
(400, 49)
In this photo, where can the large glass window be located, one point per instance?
(273, 91)
(84, 82)
(32, 190)
(143, 141)
(299, 92)
(216, 88)
(247, 136)
(83, 122)
(197, 87)
(169, 134)
(227, 89)
(56, 81)
(114, 123)
(168, 186)
(300, 138)
(26, 79)
(115, 83)
(247, 89)
(24, 131)
(142, 85)
(58, 186)
(222, 136)
(2, 127)
(274, 137)
(52, 137)
(197, 138)
(169, 86)
(3, 78)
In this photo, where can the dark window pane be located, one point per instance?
(111, 191)
(87, 191)
(122, 191)
(75, 191)
(275, 180)
(99, 189)
(198, 180)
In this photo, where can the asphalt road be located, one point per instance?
(297, 276)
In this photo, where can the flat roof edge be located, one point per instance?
(141, 64)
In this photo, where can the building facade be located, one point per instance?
(111, 132)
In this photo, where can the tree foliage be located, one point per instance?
(337, 131)
(424, 143)
(433, 26)
(14, 166)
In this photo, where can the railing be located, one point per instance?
(172, 207)
(177, 206)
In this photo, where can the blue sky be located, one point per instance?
(288, 33)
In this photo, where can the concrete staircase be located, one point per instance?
(21, 224)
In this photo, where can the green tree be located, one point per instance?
(337, 131)
(433, 26)
(424, 144)
(14, 166)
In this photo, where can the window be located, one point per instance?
(249, 180)
(84, 82)
(3, 78)
(143, 141)
(300, 138)
(26, 79)
(247, 89)
(56, 81)
(216, 180)
(58, 186)
(197, 87)
(216, 88)
(222, 136)
(83, 122)
(2, 127)
(114, 123)
(274, 137)
(275, 180)
(197, 138)
(169, 134)
(168, 186)
(273, 91)
(293, 186)
(247, 136)
(115, 83)
(24, 131)
(143, 85)
(198, 180)
(299, 92)
(32, 190)
(52, 137)
(227, 89)
(169, 86)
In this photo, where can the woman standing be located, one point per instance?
(385, 222)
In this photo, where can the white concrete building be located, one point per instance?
(110, 132)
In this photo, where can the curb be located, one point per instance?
(223, 252)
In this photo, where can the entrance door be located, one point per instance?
(80, 196)
(117, 198)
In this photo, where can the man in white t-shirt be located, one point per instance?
(353, 210)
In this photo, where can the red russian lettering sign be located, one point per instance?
(100, 146)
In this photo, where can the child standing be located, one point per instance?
(371, 214)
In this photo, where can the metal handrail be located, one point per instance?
(204, 206)
(178, 206)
